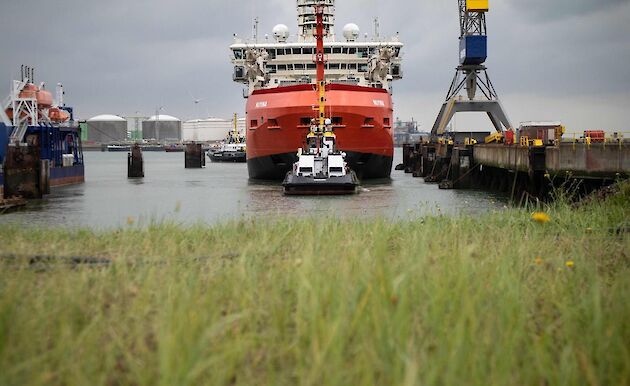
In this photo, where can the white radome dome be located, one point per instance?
(351, 32)
(280, 33)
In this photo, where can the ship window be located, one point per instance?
(308, 51)
(305, 121)
(362, 53)
(297, 51)
(253, 124)
(238, 54)
(306, 170)
(327, 50)
(271, 69)
(299, 66)
(369, 122)
(386, 121)
(352, 51)
(337, 50)
(336, 169)
(344, 66)
(334, 66)
(272, 53)
(272, 123)
(282, 67)
(363, 68)
(337, 121)
(352, 66)
(397, 51)
(311, 66)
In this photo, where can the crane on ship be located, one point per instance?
(321, 168)
(471, 75)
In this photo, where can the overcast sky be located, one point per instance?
(563, 60)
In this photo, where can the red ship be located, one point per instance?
(283, 98)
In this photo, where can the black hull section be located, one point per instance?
(367, 166)
(228, 157)
(308, 186)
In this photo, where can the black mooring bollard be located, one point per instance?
(194, 157)
(135, 164)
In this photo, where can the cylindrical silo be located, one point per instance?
(162, 128)
(106, 128)
(206, 130)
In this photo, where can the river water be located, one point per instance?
(223, 192)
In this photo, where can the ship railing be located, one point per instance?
(617, 138)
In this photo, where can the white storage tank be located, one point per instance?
(162, 128)
(106, 129)
(210, 129)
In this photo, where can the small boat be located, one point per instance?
(119, 148)
(321, 169)
(233, 149)
(174, 148)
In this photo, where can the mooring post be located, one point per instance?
(194, 156)
(135, 163)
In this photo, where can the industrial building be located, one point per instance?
(162, 128)
(209, 129)
(106, 128)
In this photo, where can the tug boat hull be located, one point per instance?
(295, 185)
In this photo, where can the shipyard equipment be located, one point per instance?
(471, 75)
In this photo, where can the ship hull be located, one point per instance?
(278, 121)
(59, 176)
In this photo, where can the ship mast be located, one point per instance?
(320, 60)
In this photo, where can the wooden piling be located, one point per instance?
(194, 156)
(135, 163)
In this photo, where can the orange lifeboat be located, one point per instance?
(44, 98)
(29, 91)
(9, 113)
(57, 115)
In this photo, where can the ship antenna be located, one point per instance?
(256, 29)
(377, 33)
(321, 63)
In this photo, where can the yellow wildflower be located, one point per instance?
(538, 260)
(541, 217)
(130, 220)
(570, 264)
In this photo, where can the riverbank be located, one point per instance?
(502, 298)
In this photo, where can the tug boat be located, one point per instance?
(321, 168)
(32, 123)
(233, 149)
(280, 78)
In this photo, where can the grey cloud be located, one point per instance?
(546, 10)
(125, 56)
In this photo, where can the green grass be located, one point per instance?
(433, 301)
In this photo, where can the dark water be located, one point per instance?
(222, 192)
